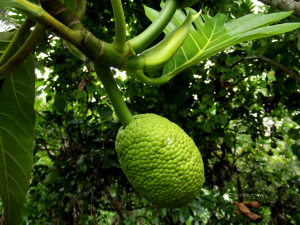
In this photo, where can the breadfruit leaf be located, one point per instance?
(212, 35)
(17, 122)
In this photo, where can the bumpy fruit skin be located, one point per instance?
(160, 161)
(187, 3)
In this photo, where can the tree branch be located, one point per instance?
(272, 62)
(248, 75)
(51, 124)
(47, 149)
(115, 204)
(279, 66)
(284, 5)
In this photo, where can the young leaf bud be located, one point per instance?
(157, 56)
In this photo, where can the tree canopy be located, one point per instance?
(240, 106)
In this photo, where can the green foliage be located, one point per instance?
(6, 22)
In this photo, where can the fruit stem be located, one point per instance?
(114, 94)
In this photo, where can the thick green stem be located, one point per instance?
(120, 38)
(70, 32)
(23, 52)
(76, 52)
(64, 24)
(80, 9)
(142, 41)
(25, 27)
(110, 85)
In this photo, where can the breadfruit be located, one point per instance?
(160, 161)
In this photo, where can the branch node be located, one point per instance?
(102, 46)
(125, 56)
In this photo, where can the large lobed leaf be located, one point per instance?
(17, 122)
(212, 35)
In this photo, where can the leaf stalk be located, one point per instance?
(23, 52)
(120, 38)
(80, 9)
(157, 56)
(142, 41)
(24, 28)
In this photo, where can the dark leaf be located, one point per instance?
(184, 214)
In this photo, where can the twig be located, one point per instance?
(90, 128)
(248, 75)
(87, 106)
(237, 62)
(279, 66)
(115, 204)
(66, 89)
(48, 150)
(51, 124)
(272, 62)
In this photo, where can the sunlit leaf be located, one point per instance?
(212, 35)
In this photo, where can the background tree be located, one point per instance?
(240, 107)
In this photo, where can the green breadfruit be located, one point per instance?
(160, 161)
